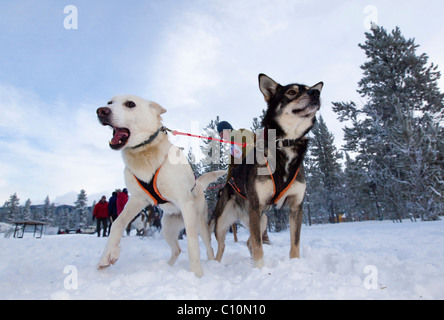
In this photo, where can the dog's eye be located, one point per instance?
(130, 104)
(110, 102)
(291, 92)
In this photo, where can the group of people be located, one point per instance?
(104, 210)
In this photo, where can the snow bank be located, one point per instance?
(361, 260)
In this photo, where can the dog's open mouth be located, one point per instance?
(120, 135)
(120, 138)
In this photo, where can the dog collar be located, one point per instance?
(151, 139)
(283, 143)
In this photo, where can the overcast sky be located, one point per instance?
(198, 59)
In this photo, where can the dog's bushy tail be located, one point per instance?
(210, 177)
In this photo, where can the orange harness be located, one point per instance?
(277, 194)
(151, 189)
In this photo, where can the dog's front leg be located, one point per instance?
(295, 225)
(255, 241)
(112, 249)
(190, 220)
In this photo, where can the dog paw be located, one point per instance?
(210, 255)
(174, 256)
(259, 263)
(109, 257)
(199, 273)
(196, 267)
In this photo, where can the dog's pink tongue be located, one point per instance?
(118, 136)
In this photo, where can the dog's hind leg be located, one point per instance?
(225, 215)
(204, 230)
(295, 226)
(171, 226)
(112, 249)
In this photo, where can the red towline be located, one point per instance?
(178, 133)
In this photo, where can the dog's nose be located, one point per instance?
(315, 93)
(103, 112)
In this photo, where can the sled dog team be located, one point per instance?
(272, 174)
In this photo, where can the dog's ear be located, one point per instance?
(158, 107)
(268, 86)
(318, 86)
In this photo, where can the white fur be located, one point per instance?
(294, 125)
(175, 181)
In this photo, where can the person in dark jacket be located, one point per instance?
(112, 210)
(101, 214)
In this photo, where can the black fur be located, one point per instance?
(280, 99)
(294, 100)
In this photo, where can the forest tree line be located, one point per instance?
(390, 167)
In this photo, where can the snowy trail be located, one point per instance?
(345, 261)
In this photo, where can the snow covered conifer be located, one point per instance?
(257, 122)
(216, 157)
(81, 209)
(47, 215)
(27, 210)
(324, 174)
(195, 165)
(12, 207)
(389, 132)
(215, 153)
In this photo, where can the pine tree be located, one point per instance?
(324, 174)
(402, 111)
(12, 207)
(310, 208)
(359, 198)
(421, 157)
(52, 214)
(216, 157)
(27, 210)
(195, 165)
(257, 122)
(65, 219)
(46, 211)
(81, 209)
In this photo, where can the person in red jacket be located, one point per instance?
(101, 214)
(122, 199)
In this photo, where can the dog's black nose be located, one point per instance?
(315, 93)
(103, 112)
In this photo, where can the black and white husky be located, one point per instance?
(276, 176)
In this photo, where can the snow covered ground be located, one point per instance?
(361, 260)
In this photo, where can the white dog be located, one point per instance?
(156, 172)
